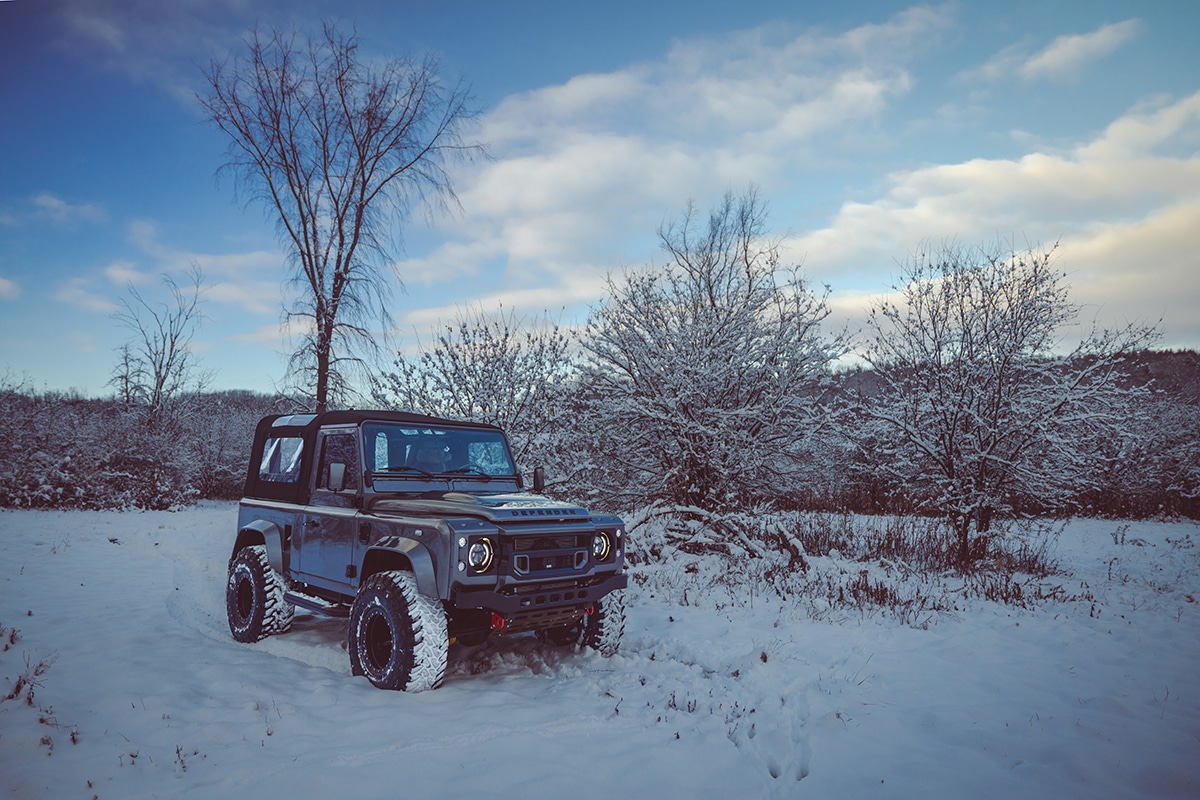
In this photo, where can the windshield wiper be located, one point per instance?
(466, 469)
(408, 468)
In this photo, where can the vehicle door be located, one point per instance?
(329, 536)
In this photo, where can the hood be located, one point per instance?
(498, 508)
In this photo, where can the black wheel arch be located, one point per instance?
(267, 534)
(408, 556)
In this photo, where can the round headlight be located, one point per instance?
(479, 556)
(601, 546)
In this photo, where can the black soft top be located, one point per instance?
(305, 427)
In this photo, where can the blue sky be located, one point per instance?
(868, 127)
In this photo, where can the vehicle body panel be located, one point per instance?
(425, 495)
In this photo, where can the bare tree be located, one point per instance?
(980, 400)
(337, 147)
(709, 367)
(129, 376)
(157, 365)
(493, 368)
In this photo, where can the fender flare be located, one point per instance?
(420, 562)
(263, 532)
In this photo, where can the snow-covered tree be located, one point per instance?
(489, 367)
(980, 398)
(705, 371)
(1159, 473)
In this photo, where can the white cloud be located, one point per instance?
(1064, 58)
(1147, 131)
(9, 290)
(585, 172)
(53, 208)
(79, 292)
(261, 297)
(532, 300)
(1067, 55)
(122, 273)
(1125, 214)
(279, 336)
(268, 335)
(248, 280)
(1147, 268)
(144, 39)
(91, 26)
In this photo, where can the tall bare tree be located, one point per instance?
(982, 398)
(338, 148)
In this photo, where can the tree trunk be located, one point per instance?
(322, 396)
(962, 525)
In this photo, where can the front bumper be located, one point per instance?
(540, 597)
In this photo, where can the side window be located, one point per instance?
(281, 460)
(339, 448)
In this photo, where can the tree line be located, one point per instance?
(710, 384)
(705, 385)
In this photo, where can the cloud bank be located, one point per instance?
(586, 171)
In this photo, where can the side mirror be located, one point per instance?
(337, 477)
(539, 479)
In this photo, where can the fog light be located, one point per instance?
(479, 556)
(601, 546)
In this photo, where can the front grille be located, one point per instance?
(549, 561)
(547, 554)
(523, 544)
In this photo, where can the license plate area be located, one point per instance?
(547, 562)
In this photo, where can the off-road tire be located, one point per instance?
(254, 601)
(603, 629)
(398, 636)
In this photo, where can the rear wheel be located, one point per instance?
(254, 601)
(398, 636)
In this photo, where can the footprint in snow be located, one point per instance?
(774, 733)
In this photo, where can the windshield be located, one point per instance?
(398, 449)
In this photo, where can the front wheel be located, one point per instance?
(254, 597)
(603, 629)
(398, 636)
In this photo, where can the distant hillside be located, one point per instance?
(1176, 373)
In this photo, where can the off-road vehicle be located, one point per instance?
(420, 531)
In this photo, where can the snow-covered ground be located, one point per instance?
(146, 694)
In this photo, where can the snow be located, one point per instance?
(723, 696)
